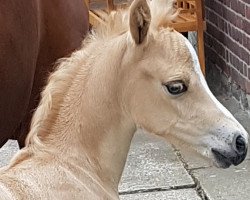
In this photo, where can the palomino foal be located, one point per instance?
(127, 75)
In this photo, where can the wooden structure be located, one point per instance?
(191, 18)
(99, 9)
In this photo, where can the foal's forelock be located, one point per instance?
(162, 12)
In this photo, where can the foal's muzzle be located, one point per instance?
(235, 156)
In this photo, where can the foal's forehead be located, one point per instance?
(176, 48)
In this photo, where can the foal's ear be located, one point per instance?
(139, 20)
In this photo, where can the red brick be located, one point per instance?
(218, 47)
(238, 50)
(211, 4)
(214, 57)
(228, 15)
(236, 63)
(235, 34)
(218, 7)
(226, 28)
(214, 19)
(246, 26)
(210, 53)
(208, 40)
(239, 22)
(246, 41)
(221, 24)
(231, 16)
(221, 63)
(239, 7)
(248, 73)
(227, 70)
(245, 70)
(240, 67)
(213, 30)
(242, 83)
(235, 75)
(238, 79)
(233, 46)
(248, 12)
(245, 56)
(247, 85)
(227, 55)
(227, 39)
(227, 2)
(246, 1)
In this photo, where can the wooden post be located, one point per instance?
(110, 5)
(200, 34)
(87, 3)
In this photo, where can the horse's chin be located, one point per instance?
(221, 164)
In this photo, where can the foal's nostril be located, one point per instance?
(235, 155)
(240, 145)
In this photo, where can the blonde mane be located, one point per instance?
(51, 97)
(60, 80)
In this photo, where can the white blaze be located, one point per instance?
(203, 82)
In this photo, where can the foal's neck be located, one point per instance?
(92, 120)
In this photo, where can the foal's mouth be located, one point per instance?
(235, 153)
(224, 159)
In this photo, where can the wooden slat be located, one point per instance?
(110, 5)
(191, 11)
(183, 26)
(188, 17)
(94, 19)
(101, 13)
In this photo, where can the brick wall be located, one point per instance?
(227, 40)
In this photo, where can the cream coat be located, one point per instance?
(94, 102)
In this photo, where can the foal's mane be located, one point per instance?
(60, 80)
(66, 69)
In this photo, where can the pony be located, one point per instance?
(34, 34)
(128, 74)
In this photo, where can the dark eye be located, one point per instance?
(176, 87)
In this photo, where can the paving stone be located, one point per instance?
(194, 160)
(152, 163)
(229, 184)
(7, 152)
(184, 194)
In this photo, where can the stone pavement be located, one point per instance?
(156, 170)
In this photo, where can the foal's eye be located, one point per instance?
(176, 87)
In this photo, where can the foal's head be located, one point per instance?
(165, 92)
